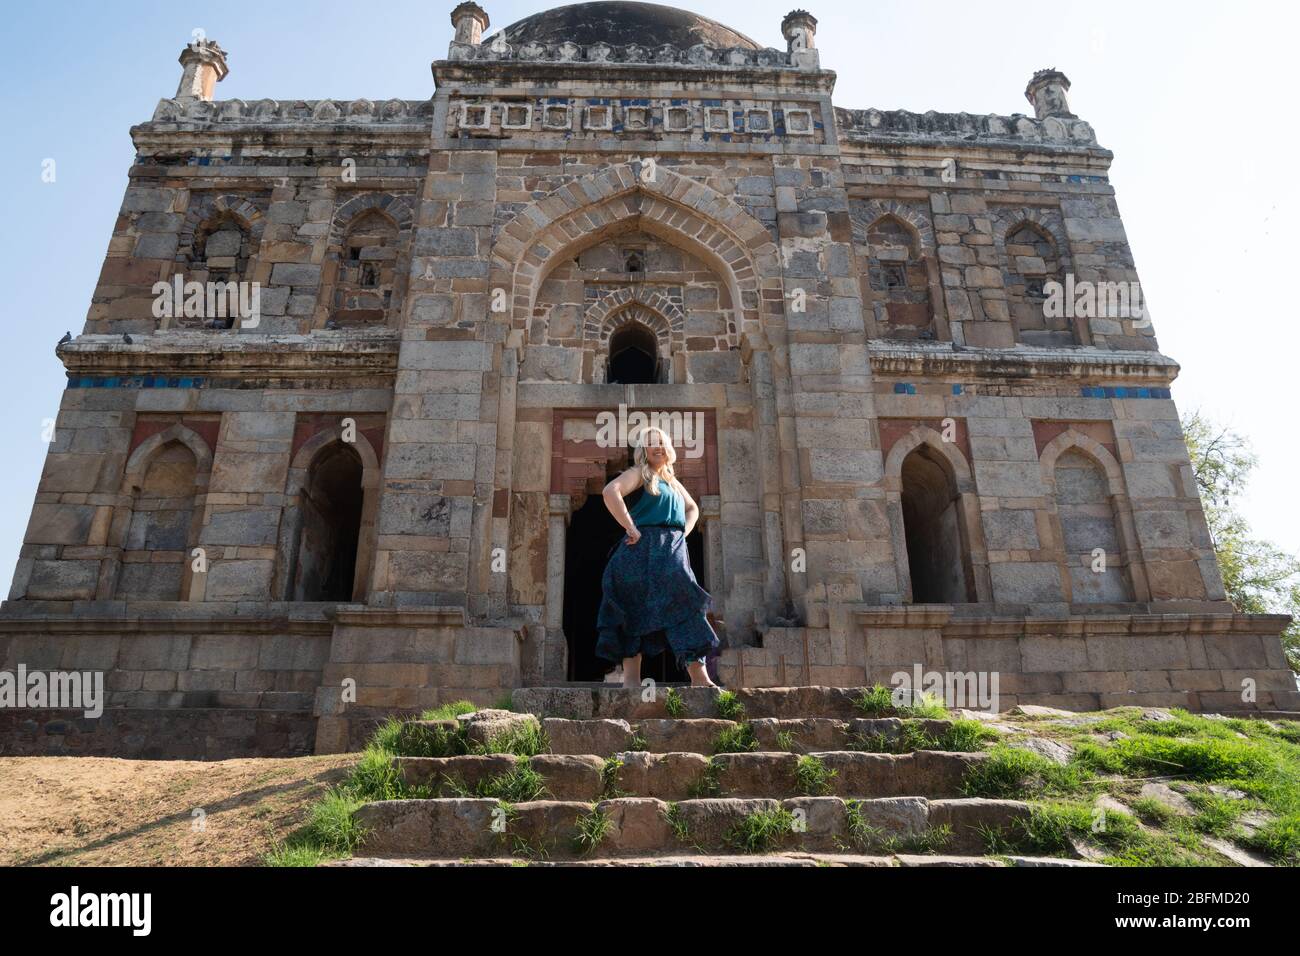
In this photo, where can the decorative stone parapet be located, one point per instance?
(361, 112)
(901, 125)
(699, 55)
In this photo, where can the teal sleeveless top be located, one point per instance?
(668, 508)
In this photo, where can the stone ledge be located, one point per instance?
(1083, 364)
(947, 618)
(322, 353)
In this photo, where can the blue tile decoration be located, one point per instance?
(135, 381)
(1096, 391)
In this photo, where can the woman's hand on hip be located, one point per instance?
(633, 537)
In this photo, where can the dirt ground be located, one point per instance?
(76, 811)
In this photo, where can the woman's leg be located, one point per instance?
(700, 675)
(632, 673)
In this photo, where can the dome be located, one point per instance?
(622, 24)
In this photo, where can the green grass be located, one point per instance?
(523, 784)
(815, 780)
(761, 832)
(876, 702)
(452, 711)
(960, 736)
(1011, 773)
(786, 741)
(331, 831)
(674, 705)
(739, 739)
(924, 706)
(609, 779)
(1278, 840)
(1254, 757)
(525, 740)
(862, 835)
(709, 785)
(932, 840)
(730, 707)
(677, 822)
(592, 830)
(424, 740)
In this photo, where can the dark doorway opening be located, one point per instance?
(593, 535)
(331, 527)
(936, 552)
(633, 358)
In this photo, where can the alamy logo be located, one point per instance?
(684, 429)
(57, 690)
(75, 909)
(968, 691)
(220, 303)
(1093, 300)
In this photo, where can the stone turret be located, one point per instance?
(1048, 92)
(470, 20)
(800, 31)
(204, 66)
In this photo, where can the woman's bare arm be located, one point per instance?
(618, 489)
(692, 509)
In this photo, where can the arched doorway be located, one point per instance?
(593, 535)
(331, 527)
(936, 548)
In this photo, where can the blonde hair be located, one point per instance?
(648, 476)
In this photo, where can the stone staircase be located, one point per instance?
(626, 781)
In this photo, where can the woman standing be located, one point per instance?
(650, 591)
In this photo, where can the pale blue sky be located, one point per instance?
(1195, 99)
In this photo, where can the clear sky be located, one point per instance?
(1196, 100)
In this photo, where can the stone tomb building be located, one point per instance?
(388, 479)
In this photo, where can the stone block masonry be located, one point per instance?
(384, 495)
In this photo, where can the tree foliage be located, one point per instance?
(1259, 577)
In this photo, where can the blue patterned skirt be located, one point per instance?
(653, 603)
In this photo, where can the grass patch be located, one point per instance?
(592, 830)
(677, 822)
(875, 702)
(450, 711)
(609, 779)
(739, 739)
(933, 840)
(709, 785)
(862, 835)
(525, 740)
(1278, 840)
(1011, 773)
(815, 780)
(730, 707)
(761, 832)
(1196, 759)
(521, 785)
(785, 741)
(960, 736)
(674, 705)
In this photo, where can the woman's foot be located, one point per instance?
(700, 676)
(632, 673)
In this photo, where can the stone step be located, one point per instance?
(550, 830)
(683, 776)
(609, 737)
(612, 703)
(779, 861)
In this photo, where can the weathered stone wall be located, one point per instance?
(854, 301)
